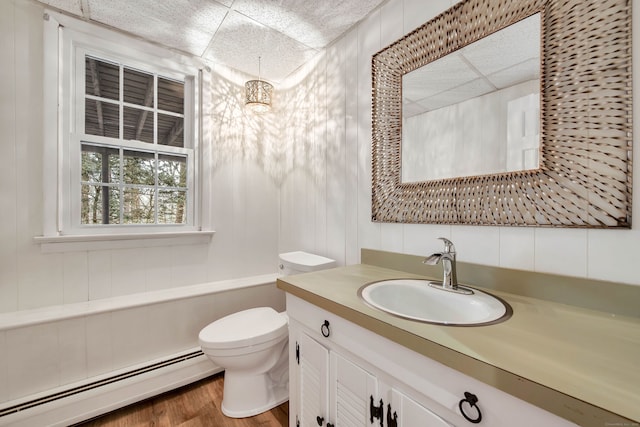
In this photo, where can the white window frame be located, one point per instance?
(65, 40)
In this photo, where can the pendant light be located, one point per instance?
(258, 93)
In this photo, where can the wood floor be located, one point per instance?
(195, 405)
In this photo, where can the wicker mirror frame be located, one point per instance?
(584, 178)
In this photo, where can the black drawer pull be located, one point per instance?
(471, 399)
(325, 329)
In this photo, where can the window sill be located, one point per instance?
(94, 242)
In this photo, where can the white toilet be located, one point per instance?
(251, 346)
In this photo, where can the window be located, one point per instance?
(131, 118)
(122, 149)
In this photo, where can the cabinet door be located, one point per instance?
(352, 389)
(313, 382)
(405, 412)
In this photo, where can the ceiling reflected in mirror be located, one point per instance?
(475, 111)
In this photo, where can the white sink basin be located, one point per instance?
(415, 299)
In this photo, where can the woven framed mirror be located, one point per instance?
(582, 175)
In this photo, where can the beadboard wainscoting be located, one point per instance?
(132, 346)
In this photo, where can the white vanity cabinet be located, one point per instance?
(332, 390)
(343, 375)
(330, 387)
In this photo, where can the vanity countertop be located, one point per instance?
(581, 364)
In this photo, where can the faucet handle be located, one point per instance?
(448, 245)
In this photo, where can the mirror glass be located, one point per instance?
(475, 111)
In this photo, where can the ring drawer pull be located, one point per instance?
(471, 399)
(325, 329)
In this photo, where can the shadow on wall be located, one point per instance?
(292, 136)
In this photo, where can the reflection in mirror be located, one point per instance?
(475, 111)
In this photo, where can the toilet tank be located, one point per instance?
(302, 262)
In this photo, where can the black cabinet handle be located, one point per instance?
(471, 399)
(331, 425)
(391, 421)
(325, 329)
(320, 420)
(376, 411)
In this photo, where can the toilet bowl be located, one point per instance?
(252, 347)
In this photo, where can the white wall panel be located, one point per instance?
(417, 12)
(8, 172)
(561, 251)
(368, 44)
(99, 345)
(352, 244)
(392, 237)
(127, 272)
(75, 277)
(189, 264)
(221, 215)
(40, 278)
(33, 359)
(391, 22)
(479, 245)
(4, 369)
(72, 350)
(517, 248)
(613, 255)
(336, 199)
(259, 244)
(99, 272)
(133, 337)
(158, 274)
(319, 161)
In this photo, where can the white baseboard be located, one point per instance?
(105, 398)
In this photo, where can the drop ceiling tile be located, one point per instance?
(513, 45)
(240, 41)
(436, 77)
(525, 71)
(187, 25)
(461, 93)
(71, 6)
(315, 24)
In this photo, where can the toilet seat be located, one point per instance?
(246, 328)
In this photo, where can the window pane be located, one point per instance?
(114, 165)
(98, 164)
(91, 204)
(102, 78)
(138, 87)
(170, 130)
(138, 168)
(100, 205)
(172, 207)
(172, 171)
(138, 124)
(139, 206)
(170, 95)
(101, 118)
(114, 204)
(91, 166)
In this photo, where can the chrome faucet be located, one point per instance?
(448, 259)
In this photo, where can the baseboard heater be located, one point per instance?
(96, 384)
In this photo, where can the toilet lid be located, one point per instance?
(245, 328)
